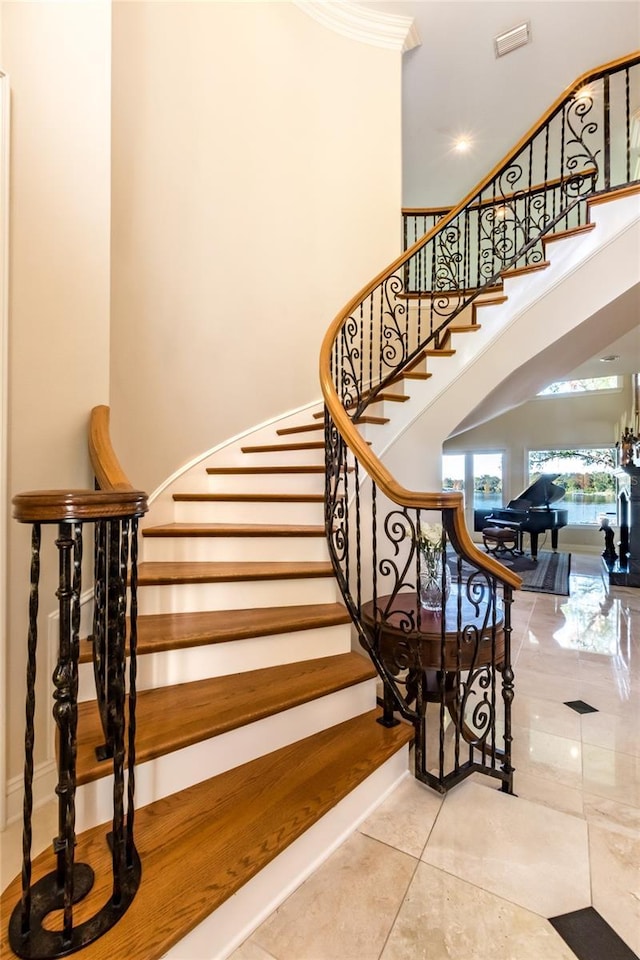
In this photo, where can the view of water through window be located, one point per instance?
(587, 477)
(578, 510)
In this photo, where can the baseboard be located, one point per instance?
(45, 779)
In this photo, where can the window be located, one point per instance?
(480, 472)
(587, 476)
(580, 386)
(453, 468)
(487, 481)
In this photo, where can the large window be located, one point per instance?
(588, 385)
(587, 477)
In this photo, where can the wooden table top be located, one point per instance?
(405, 609)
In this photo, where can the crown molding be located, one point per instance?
(364, 24)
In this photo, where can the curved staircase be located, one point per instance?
(257, 744)
(255, 719)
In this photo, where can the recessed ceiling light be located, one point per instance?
(585, 93)
(462, 144)
(610, 358)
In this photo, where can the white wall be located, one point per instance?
(256, 187)
(57, 56)
(568, 38)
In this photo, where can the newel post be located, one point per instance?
(69, 882)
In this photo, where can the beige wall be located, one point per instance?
(57, 56)
(256, 186)
(253, 188)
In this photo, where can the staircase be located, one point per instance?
(257, 747)
(255, 719)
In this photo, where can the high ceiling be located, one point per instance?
(454, 85)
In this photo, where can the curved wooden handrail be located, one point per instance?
(350, 434)
(503, 198)
(106, 466)
(68, 506)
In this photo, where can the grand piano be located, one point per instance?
(530, 512)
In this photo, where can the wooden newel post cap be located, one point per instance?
(59, 506)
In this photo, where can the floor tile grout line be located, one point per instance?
(398, 911)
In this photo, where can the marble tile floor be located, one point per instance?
(477, 874)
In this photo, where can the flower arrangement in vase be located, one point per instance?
(435, 576)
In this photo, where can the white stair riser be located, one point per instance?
(266, 483)
(237, 918)
(253, 511)
(279, 458)
(169, 667)
(203, 549)
(200, 761)
(192, 597)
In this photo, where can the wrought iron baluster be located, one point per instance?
(607, 133)
(133, 699)
(99, 649)
(358, 533)
(117, 699)
(627, 124)
(507, 692)
(32, 644)
(458, 674)
(63, 713)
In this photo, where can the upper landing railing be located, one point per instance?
(382, 535)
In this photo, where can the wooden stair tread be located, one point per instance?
(438, 353)
(459, 293)
(226, 829)
(249, 497)
(171, 718)
(527, 268)
(626, 191)
(393, 397)
(242, 470)
(175, 631)
(415, 375)
(367, 419)
(286, 431)
(235, 530)
(569, 232)
(464, 328)
(492, 302)
(277, 447)
(153, 573)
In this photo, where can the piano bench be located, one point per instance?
(500, 540)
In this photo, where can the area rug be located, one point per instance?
(548, 574)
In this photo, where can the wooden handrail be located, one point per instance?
(498, 201)
(67, 506)
(106, 466)
(373, 466)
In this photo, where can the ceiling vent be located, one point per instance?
(512, 39)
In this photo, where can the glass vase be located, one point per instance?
(433, 582)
